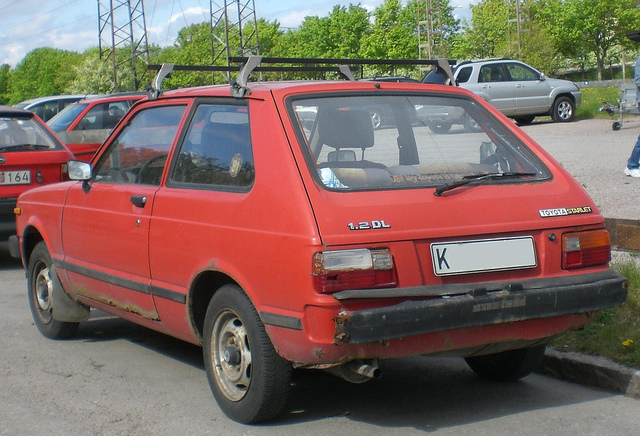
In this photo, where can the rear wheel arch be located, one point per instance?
(203, 287)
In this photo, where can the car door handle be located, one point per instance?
(139, 200)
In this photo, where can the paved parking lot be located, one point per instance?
(596, 156)
(116, 378)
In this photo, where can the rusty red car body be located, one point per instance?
(303, 238)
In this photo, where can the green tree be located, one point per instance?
(393, 34)
(93, 76)
(192, 47)
(487, 35)
(5, 71)
(338, 35)
(43, 71)
(578, 27)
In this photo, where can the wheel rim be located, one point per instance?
(42, 288)
(564, 110)
(231, 355)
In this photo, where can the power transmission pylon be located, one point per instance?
(518, 15)
(122, 25)
(234, 30)
(429, 29)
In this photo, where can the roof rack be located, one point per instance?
(343, 66)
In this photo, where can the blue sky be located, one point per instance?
(73, 24)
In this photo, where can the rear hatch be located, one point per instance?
(475, 200)
(30, 155)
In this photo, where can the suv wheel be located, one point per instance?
(523, 121)
(248, 378)
(563, 109)
(509, 365)
(439, 126)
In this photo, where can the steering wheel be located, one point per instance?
(145, 167)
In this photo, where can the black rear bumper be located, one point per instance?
(480, 305)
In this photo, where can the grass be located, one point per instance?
(594, 98)
(616, 332)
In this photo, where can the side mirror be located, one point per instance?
(542, 76)
(79, 170)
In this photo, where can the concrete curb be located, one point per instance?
(594, 371)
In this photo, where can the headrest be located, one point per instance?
(345, 129)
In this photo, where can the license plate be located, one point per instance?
(21, 177)
(466, 257)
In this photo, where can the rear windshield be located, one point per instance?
(364, 142)
(25, 134)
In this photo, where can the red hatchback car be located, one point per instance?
(30, 155)
(83, 126)
(273, 225)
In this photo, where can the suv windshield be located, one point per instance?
(422, 141)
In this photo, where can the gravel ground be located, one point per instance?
(596, 156)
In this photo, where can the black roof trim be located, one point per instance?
(15, 112)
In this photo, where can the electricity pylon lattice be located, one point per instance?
(234, 30)
(429, 29)
(123, 36)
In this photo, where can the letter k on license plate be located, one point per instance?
(465, 257)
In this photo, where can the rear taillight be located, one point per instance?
(353, 269)
(582, 249)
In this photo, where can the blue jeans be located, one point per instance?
(634, 161)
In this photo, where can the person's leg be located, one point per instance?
(634, 161)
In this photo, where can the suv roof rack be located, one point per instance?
(250, 64)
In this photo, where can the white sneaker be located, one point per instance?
(632, 173)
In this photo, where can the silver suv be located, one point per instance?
(515, 89)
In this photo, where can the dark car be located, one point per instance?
(30, 155)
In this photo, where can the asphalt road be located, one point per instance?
(596, 156)
(116, 378)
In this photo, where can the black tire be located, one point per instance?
(509, 365)
(564, 109)
(248, 378)
(523, 121)
(470, 124)
(440, 126)
(40, 288)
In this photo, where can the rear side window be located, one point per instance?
(391, 141)
(216, 152)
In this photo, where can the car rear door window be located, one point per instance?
(216, 152)
(520, 72)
